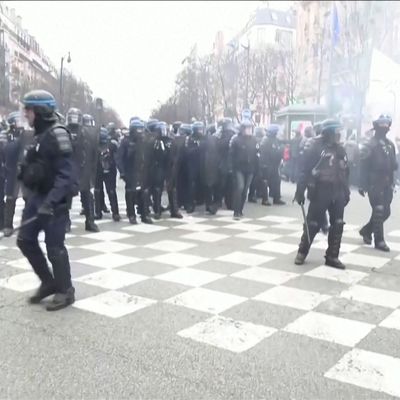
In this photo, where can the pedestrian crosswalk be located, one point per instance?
(227, 272)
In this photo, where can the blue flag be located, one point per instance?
(335, 25)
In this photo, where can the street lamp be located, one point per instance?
(61, 78)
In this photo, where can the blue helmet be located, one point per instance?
(161, 129)
(245, 125)
(151, 124)
(272, 129)
(136, 126)
(42, 103)
(134, 119)
(185, 129)
(198, 128)
(104, 136)
(13, 119)
(382, 120)
(329, 126)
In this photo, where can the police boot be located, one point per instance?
(144, 207)
(90, 225)
(334, 240)
(130, 207)
(98, 214)
(377, 218)
(9, 210)
(44, 290)
(266, 203)
(62, 300)
(305, 244)
(173, 204)
(279, 202)
(366, 234)
(114, 206)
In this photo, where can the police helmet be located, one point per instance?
(110, 126)
(175, 126)
(14, 119)
(185, 129)
(198, 128)
(259, 132)
(136, 127)
(104, 136)
(272, 129)
(161, 128)
(330, 126)
(210, 130)
(246, 127)
(42, 103)
(382, 121)
(74, 116)
(88, 120)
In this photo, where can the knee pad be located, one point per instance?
(28, 247)
(54, 253)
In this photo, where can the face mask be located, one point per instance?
(382, 130)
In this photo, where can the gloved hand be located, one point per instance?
(45, 213)
(362, 192)
(122, 177)
(299, 197)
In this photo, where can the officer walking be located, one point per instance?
(377, 167)
(182, 182)
(47, 174)
(243, 152)
(325, 175)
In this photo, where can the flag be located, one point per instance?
(335, 25)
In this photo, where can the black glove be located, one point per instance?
(122, 177)
(45, 213)
(362, 192)
(299, 197)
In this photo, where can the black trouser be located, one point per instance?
(87, 201)
(157, 189)
(225, 189)
(194, 183)
(274, 183)
(258, 188)
(380, 199)
(325, 198)
(242, 181)
(110, 181)
(294, 164)
(135, 197)
(211, 197)
(57, 253)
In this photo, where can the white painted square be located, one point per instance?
(392, 321)
(329, 328)
(190, 219)
(207, 237)
(298, 235)
(228, 334)
(109, 260)
(344, 247)
(277, 219)
(21, 263)
(21, 283)
(352, 235)
(394, 246)
(394, 233)
(369, 370)
(2, 248)
(189, 276)
(195, 227)
(224, 213)
(69, 236)
(111, 279)
(108, 247)
(144, 228)
(170, 245)
(229, 219)
(244, 227)
(292, 297)
(178, 259)
(288, 227)
(107, 236)
(206, 300)
(261, 236)
(249, 259)
(265, 275)
(378, 297)
(276, 247)
(113, 304)
(350, 227)
(346, 276)
(362, 260)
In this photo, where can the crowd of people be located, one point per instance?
(218, 165)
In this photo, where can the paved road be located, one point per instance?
(207, 308)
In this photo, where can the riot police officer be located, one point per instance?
(85, 157)
(271, 154)
(106, 173)
(243, 151)
(377, 167)
(47, 174)
(13, 153)
(325, 175)
(181, 172)
(133, 165)
(193, 165)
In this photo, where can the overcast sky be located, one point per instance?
(130, 52)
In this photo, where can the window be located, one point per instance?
(274, 16)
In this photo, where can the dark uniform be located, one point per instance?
(294, 156)
(182, 177)
(243, 153)
(271, 154)
(47, 174)
(133, 164)
(85, 157)
(106, 174)
(3, 145)
(325, 175)
(377, 166)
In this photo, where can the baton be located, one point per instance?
(25, 223)
(305, 223)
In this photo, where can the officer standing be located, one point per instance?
(3, 145)
(377, 167)
(271, 154)
(85, 157)
(14, 151)
(106, 173)
(47, 174)
(243, 152)
(182, 180)
(325, 175)
(132, 160)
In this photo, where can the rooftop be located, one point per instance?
(269, 16)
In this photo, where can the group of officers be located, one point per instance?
(212, 165)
